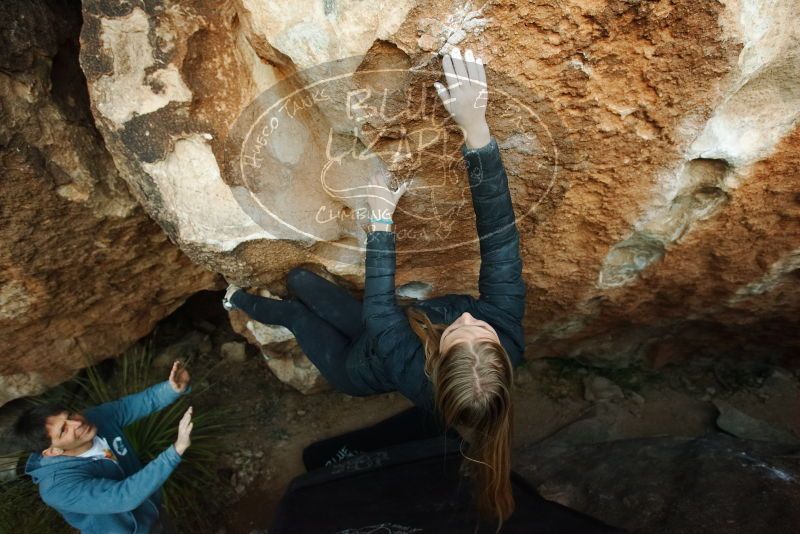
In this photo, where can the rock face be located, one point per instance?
(84, 271)
(671, 484)
(652, 150)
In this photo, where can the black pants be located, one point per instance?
(323, 317)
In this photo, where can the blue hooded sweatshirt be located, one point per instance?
(99, 495)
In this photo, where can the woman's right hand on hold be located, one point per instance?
(381, 200)
(466, 95)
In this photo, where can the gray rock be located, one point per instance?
(716, 483)
(191, 345)
(205, 326)
(233, 351)
(781, 380)
(292, 367)
(522, 376)
(414, 290)
(539, 365)
(734, 421)
(636, 398)
(601, 389)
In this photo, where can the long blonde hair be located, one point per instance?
(472, 387)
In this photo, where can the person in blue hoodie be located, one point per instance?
(88, 471)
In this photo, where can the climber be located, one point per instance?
(453, 353)
(89, 472)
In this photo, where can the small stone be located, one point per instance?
(538, 365)
(414, 290)
(428, 42)
(233, 351)
(206, 345)
(301, 412)
(736, 422)
(638, 399)
(522, 376)
(779, 379)
(690, 387)
(782, 374)
(187, 347)
(601, 389)
(456, 37)
(204, 326)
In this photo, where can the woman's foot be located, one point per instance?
(226, 300)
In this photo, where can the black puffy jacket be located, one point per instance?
(390, 357)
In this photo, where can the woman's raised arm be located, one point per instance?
(383, 318)
(465, 97)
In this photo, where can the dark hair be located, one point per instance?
(29, 429)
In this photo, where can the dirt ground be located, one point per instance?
(550, 395)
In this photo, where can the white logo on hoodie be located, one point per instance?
(119, 447)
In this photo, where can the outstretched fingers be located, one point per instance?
(473, 68)
(444, 96)
(459, 66)
(461, 74)
(186, 420)
(184, 432)
(481, 72)
(173, 374)
(450, 75)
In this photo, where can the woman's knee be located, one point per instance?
(341, 382)
(298, 277)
